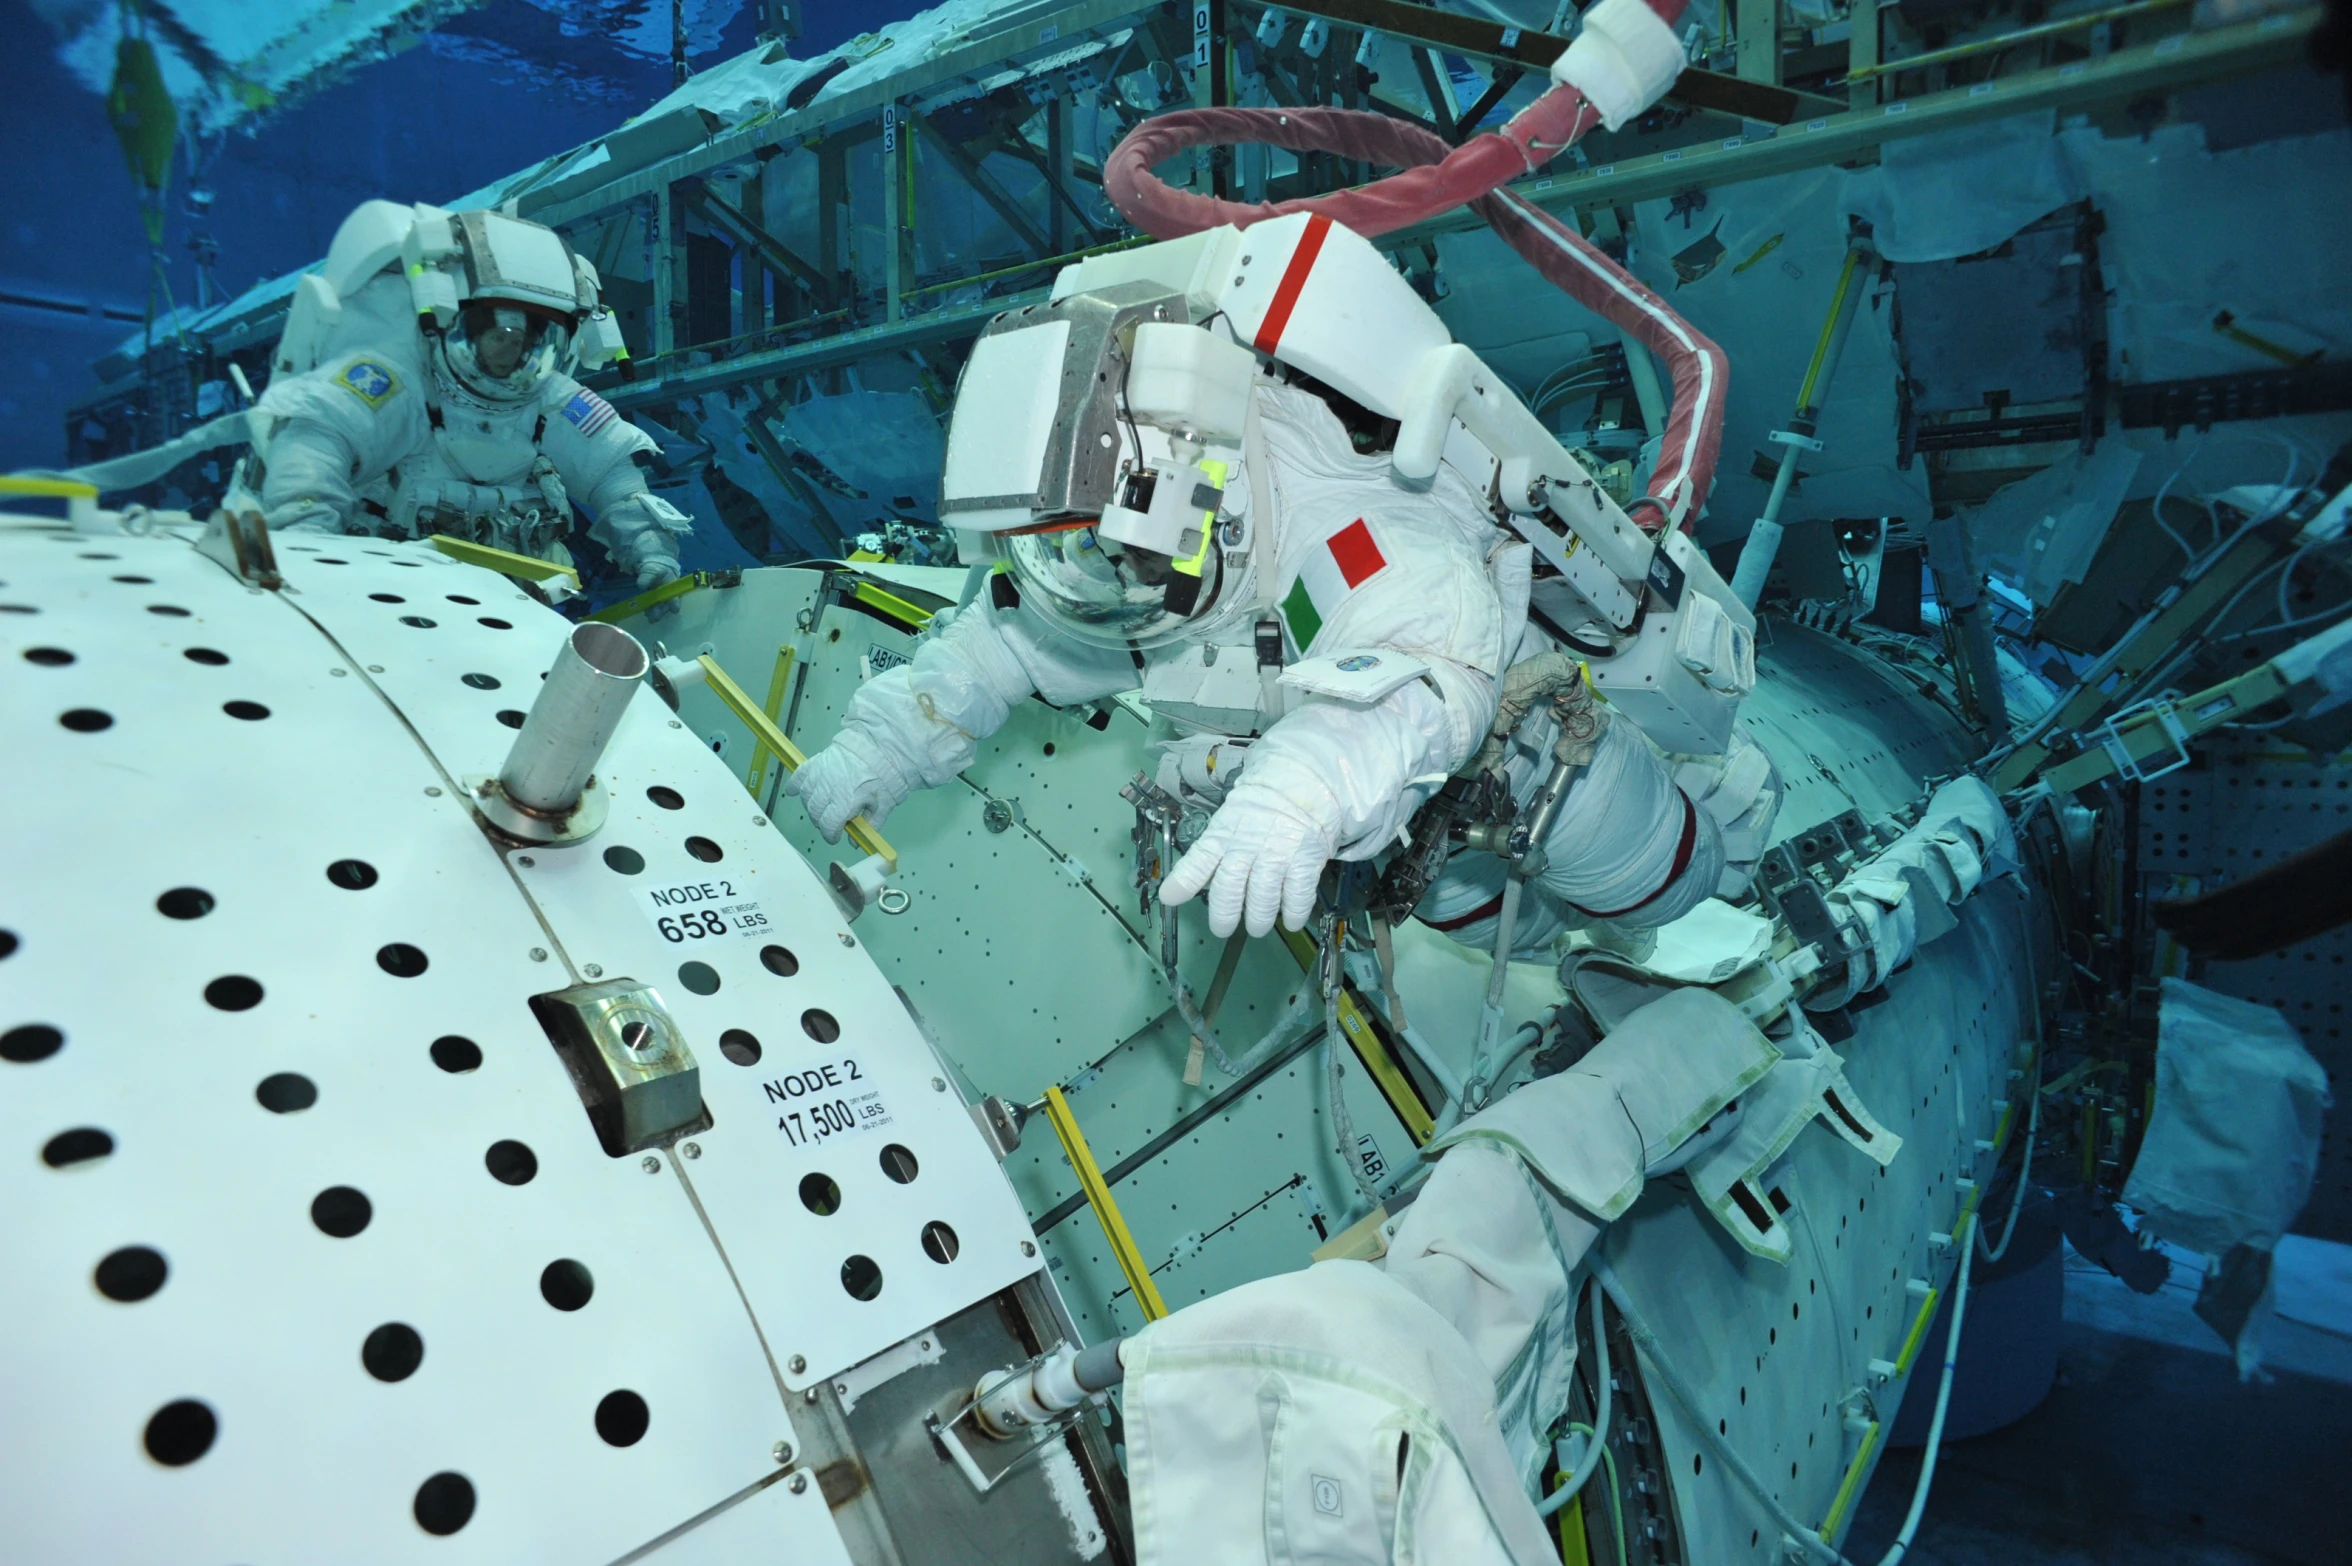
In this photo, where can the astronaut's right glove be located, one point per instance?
(850, 777)
(1262, 855)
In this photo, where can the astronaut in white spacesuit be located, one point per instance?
(421, 388)
(1167, 509)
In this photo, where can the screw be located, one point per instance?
(675, 724)
(650, 1164)
(939, 1084)
(847, 939)
(759, 820)
(432, 793)
(811, 1396)
(338, 671)
(782, 1451)
(538, 954)
(375, 668)
(799, 1483)
(691, 1150)
(1028, 1247)
(525, 860)
(636, 1035)
(594, 970)
(796, 1364)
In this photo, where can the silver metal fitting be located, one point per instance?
(546, 792)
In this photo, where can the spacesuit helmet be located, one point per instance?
(1095, 451)
(522, 297)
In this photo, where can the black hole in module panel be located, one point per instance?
(401, 960)
(700, 977)
(622, 1418)
(460, 598)
(181, 1432)
(137, 581)
(31, 1042)
(341, 1211)
(286, 1093)
(250, 711)
(779, 961)
(18, 609)
(173, 610)
(512, 717)
(511, 1163)
(331, 560)
(86, 720)
(93, 554)
(820, 1025)
(940, 1242)
(8, 943)
(185, 902)
(739, 1047)
(79, 1146)
(392, 1352)
(566, 1284)
(861, 1277)
(624, 859)
(705, 850)
(899, 1163)
(481, 682)
(667, 798)
(444, 1504)
(131, 1274)
(820, 1194)
(48, 657)
(353, 875)
(205, 655)
(496, 625)
(453, 1054)
(233, 992)
(419, 621)
(388, 598)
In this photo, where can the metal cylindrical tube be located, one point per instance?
(579, 707)
(1098, 1366)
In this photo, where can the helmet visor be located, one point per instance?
(1099, 591)
(503, 351)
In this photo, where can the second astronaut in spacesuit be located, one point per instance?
(422, 389)
(1166, 510)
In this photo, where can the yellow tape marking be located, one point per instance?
(1106, 1208)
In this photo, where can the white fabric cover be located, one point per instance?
(1593, 1132)
(1623, 60)
(1496, 1255)
(1954, 193)
(1728, 1178)
(2231, 1150)
(1963, 837)
(1324, 1416)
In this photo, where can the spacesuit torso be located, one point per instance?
(415, 463)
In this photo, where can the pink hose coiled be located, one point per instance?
(1436, 179)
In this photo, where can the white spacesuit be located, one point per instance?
(1166, 508)
(420, 389)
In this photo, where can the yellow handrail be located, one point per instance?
(1106, 1207)
(764, 730)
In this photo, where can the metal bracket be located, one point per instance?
(2167, 718)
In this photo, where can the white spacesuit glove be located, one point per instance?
(1262, 855)
(1332, 780)
(850, 777)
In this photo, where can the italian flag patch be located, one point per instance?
(1342, 563)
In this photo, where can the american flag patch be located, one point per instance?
(588, 412)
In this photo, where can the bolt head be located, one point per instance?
(799, 1483)
(939, 1084)
(1028, 1247)
(691, 1149)
(782, 1451)
(375, 668)
(759, 820)
(525, 860)
(538, 954)
(650, 1164)
(797, 1363)
(594, 970)
(675, 724)
(338, 671)
(432, 793)
(848, 939)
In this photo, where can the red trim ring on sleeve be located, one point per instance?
(1294, 282)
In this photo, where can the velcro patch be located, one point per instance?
(369, 381)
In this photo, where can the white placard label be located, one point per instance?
(711, 910)
(825, 1099)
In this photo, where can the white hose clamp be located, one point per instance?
(1623, 60)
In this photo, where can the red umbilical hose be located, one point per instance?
(1436, 179)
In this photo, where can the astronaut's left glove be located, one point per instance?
(1262, 854)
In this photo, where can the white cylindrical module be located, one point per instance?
(595, 675)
